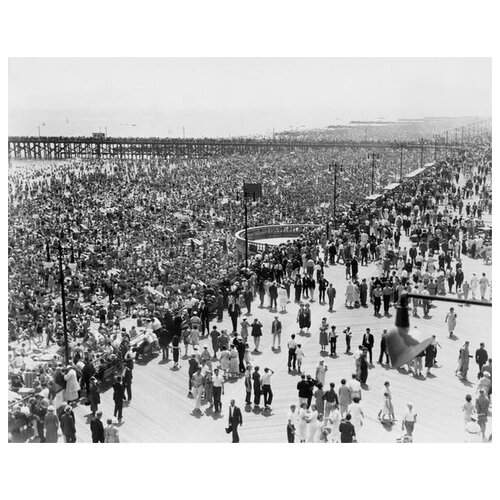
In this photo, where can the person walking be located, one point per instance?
(323, 334)
(51, 425)
(266, 388)
(292, 353)
(175, 350)
(383, 348)
(67, 423)
(482, 410)
(218, 389)
(257, 390)
(409, 420)
(347, 430)
(111, 432)
(118, 397)
(93, 396)
(357, 414)
(97, 428)
(451, 320)
(368, 342)
(344, 396)
(127, 382)
(248, 385)
(481, 357)
(332, 340)
(321, 370)
(276, 332)
(256, 333)
(300, 357)
(331, 294)
(348, 336)
(292, 419)
(330, 398)
(304, 389)
(197, 382)
(463, 361)
(235, 420)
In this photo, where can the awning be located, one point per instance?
(416, 172)
(392, 186)
(373, 197)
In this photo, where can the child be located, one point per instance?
(300, 356)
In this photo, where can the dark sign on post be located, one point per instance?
(252, 190)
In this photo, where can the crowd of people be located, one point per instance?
(153, 241)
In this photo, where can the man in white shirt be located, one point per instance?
(266, 388)
(354, 387)
(292, 353)
(218, 389)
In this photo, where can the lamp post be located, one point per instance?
(63, 300)
(254, 191)
(336, 168)
(72, 266)
(373, 156)
(401, 146)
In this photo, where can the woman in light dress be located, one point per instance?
(303, 418)
(234, 369)
(357, 414)
(72, 385)
(451, 321)
(333, 423)
(282, 298)
(224, 361)
(468, 409)
(349, 295)
(312, 426)
(111, 432)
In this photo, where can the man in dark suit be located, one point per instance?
(96, 428)
(235, 419)
(127, 382)
(118, 397)
(383, 348)
(368, 341)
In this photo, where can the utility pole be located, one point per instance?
(421, 153)
(373, 156)
(63, 300)
(246, 227)
(401, 163)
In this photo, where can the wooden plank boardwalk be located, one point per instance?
(160, 410)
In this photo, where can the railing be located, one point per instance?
(265, 232)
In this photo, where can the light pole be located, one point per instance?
(72, 266)
(401, 146)
(255, 191)
(336, 168)
(373, 156)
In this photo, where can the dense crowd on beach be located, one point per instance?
(153, 241)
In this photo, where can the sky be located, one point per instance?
(216, 97)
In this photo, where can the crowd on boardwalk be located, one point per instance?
(153, 242)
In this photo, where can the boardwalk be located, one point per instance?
(161, 411)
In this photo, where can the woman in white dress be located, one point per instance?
(282, 298)
(334, 419)
(313, 424)
(303, 423)
(349, 295)
(224, 361)
(72, 385)
(357, 415)
(234, 369)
